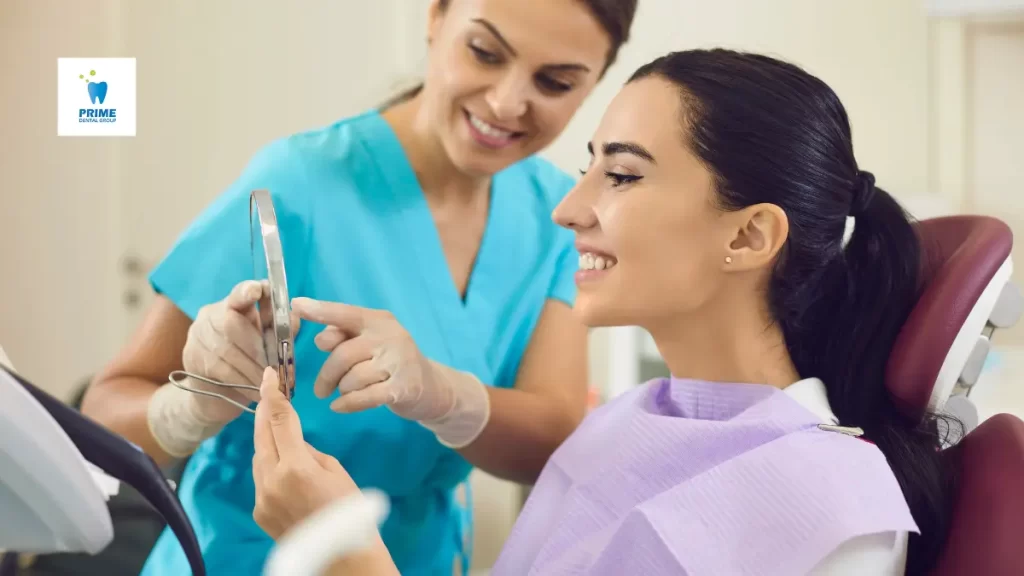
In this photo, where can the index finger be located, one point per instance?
(350, 319)
(278, 431)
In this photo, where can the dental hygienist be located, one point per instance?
(432, 213)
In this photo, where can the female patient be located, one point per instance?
(712, 214)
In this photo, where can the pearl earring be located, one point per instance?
(728, 259)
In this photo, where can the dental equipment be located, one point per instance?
(273, 306)
(56, 466)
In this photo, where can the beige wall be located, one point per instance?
(59, 225)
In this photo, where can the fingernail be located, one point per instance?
(319, 392)
(307, 304)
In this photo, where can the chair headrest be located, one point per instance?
(966, 264)
(988, 511)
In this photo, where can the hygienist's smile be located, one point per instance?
(490, 135)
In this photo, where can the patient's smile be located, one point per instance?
(594, 266)
(590, 261)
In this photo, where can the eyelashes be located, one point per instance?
(545, 82)
(620, 179)
(484, 56)
(616, 178)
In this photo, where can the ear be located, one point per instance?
(760, 231)
(435, 17)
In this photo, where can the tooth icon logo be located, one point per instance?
(104, 106)
(97, 90)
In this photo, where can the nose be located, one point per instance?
(509, 98)
(576, 210)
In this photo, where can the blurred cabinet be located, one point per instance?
(978, 120)
(996, 137)
(975, 7)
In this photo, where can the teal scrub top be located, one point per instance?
(355, 228)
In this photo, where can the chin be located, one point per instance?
(595, 314)
(474, 165)
(474, 159)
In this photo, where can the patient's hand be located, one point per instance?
(293, 479)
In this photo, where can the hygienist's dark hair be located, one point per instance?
(770, 132)
(615, 16)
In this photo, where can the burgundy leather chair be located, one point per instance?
(936, 361)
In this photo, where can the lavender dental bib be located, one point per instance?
(698, 478)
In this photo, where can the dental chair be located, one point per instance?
(936, 362)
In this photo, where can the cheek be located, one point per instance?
(664, 253)
(453, 76)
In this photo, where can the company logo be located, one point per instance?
(97, 94)
(106, 105)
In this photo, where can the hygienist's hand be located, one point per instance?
(292, 478)
(375, 362)
(225, 344)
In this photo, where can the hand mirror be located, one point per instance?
(274, 306)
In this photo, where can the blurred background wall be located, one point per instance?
(935, 92)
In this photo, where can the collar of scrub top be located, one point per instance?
(273, 306)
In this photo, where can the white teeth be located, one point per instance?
(487, 129)
(590, 261)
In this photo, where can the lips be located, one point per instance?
(489, 135)
(97, 91)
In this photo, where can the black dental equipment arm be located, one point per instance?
(125, 462)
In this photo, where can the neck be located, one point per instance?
(730, 340)
(442, 182)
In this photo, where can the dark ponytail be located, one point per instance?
(867, 295)
(771, 133)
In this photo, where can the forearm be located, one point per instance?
(121, 405)
(523, 431)
(375, 561)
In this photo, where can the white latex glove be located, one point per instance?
(225, 345)
(375, 362)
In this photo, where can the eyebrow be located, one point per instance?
(612, 148)
(569, 67)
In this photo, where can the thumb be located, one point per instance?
(244, 295)
(280, 417)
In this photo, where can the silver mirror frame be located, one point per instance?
(274, 305)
